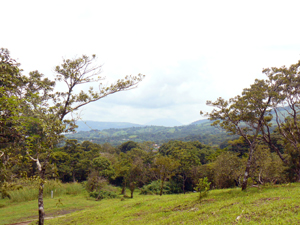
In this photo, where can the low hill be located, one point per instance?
(96, 125)
(118, 133)
(200, 122)
(166, 122)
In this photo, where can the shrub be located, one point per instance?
(227, 169)
(154, 188)
(103, 195)
(95, 182)
(203, 187)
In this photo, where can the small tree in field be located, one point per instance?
(203, 187)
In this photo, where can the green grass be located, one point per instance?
(12, 212)
(265, 205)
(30, 192)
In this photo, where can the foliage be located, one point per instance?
(103, 166)
(227, 170)
(127, 146)
(263, 169)
(95, 182)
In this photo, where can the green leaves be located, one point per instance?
(203, 187)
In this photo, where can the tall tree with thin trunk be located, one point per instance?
(286, 107)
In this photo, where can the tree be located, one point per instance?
(127, 146)
(11, 130)
(286, 108)
(137, 171)
(103, 167)
(164, 168)
(122, 168)
(46, 110)
(245, 115)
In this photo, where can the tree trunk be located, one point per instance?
(132, 193)
(124, 188)
(132, 187)
(297, 171)
(41, 198)
(162, 187)
(247, 170)
(73, 176)
(183, 184)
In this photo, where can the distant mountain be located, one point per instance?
(200, 122)
(166, 122)
(168, 129)
(96, 125)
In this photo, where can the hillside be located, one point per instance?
(277, 204)
(273, 205)
(202, 132)
(117, 133)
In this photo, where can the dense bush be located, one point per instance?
(170, 187)
(98, 195)
(154, 188)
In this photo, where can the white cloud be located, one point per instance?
(190, 51)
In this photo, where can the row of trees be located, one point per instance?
(33, 116)
(175, 168)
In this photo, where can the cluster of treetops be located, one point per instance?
(175, 167)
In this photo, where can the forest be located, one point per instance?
(258, 144)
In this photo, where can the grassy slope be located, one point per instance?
(273, 205)
(267, 205)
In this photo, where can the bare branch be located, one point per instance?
(36, 160)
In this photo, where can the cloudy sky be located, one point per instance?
(190, 51)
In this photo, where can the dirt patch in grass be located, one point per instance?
(270, 199)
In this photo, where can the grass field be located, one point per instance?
(279, 204)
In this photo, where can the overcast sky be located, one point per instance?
(190, 51)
